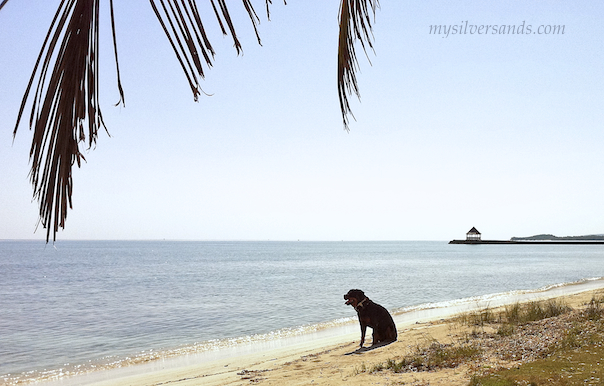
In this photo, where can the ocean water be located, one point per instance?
(84, 305)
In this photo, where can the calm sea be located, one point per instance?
(85, 304)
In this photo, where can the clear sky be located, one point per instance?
(503, 132)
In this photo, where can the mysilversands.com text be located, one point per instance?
(465, 28)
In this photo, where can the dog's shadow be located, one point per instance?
(372, 347)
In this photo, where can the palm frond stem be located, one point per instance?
(227, 18)
(122, 100)
(253, 17)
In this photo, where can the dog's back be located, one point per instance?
(379, 319)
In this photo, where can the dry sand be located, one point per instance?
(325, 361)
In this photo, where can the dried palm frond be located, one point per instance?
(355, 24)
(65, 104)
(65, 109)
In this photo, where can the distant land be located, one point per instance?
(552, 237)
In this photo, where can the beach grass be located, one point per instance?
(515, 314)
(435, 356)
(573, 352)
(576, 359)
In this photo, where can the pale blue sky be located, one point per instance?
(501, 132)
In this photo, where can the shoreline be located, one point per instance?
(230, 365)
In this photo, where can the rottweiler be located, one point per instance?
(372, 315)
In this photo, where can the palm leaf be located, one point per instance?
(65, 109)
(65, 102)
(355, 25)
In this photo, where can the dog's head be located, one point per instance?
(354, 297)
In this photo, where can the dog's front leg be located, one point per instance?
(363, 331)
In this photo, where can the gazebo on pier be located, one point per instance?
(473, 235)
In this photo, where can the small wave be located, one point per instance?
(509, 296)
(569, 284)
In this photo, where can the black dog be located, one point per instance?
(372, 315)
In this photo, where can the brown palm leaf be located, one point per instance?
(355, 24)
(65, 101)
(65, 108)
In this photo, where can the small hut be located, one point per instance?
(473, 235)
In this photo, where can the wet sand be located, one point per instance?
(327, 357)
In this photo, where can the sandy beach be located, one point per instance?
(332, 359)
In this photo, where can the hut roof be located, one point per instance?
(473, 231)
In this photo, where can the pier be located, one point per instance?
(578, 242)
(474, 237)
